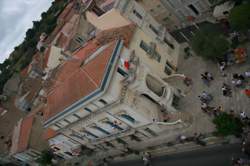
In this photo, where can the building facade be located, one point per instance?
(127, 101)
(188, 11)
(125, 12)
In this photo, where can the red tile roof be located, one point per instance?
(67, 11)
(75, 82)
(21, 140)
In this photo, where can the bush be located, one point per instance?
(227, 125)
(209, 43)
(239, 17)
(45, 158)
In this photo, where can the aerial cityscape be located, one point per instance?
(125, 83)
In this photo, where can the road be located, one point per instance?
(215, 156)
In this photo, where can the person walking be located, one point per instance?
(205, 79)
(226, 90)
(209, 76)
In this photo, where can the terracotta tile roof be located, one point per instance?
(74, 82)
(20, 140)
(67, 32)
(67, 11)
(49, 133)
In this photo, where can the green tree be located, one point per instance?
(227, 125)
(239, 17)
(209, 43)
(45, 158)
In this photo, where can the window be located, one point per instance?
(151, 132)
(169, 68)
(67, 121)
(150, 50)
(137, 14)
(127, 117)
(193, 9)
(176, 100)
(168, 43)
(154, 29)
(68, 153)
(101, 129)
(87, 109)
(103, 101)
(79, 39)
(122, 72)
(89, 133)
(57, 125)
(113, 125)
(135, 138)
(77, 116)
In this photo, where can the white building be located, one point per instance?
(110, 93)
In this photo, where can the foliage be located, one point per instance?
(209, 43)
(227, 125)
(45, 158)
(239, 17)
(23, 53)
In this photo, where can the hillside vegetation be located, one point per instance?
(23, 53)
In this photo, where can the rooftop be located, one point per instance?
(73, 82)
(21, 135)
(84, 74)
(27, 134)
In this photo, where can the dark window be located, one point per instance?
(169, 43)
(101, 130)
(87, 109)
(89, 133)
(135, 138)
(193, 9)
(127, 117)
(150, 132)
(122, 72)
(154, 29)
(77, 116)
(144, 46)
(137, 14)
(103, 101)
(225, 12)
(149, 98)
(57, 126)
(67, 121)
(169, 68)
(150, 50)
(176, 100)
(68, 153)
